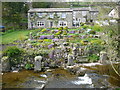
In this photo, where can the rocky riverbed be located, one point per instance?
(96, 76)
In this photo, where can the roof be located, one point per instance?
(50, 10)
(59, 9)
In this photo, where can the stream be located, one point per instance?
(98, 76)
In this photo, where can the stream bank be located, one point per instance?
(96, 76)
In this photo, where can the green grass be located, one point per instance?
(13, 36)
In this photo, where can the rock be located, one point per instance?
(81, 71)
(43, 75)
(49, 70)
(103, 57)
(5, 64)
(37, 64)
(91, 64)
(70, 59)
(16, 71)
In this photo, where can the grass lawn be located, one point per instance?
(15, 35)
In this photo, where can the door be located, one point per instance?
(51, 24)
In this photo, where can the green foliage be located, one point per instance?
(41, 4)
(13, 51)
(60, 28)
(92, 32)
(13, 14)
(97, 28)
(82, 24)
(85, 26)
(65, 28)
(95, 49)
(13, 35)
(58, 33)
(43, 30)
(14, 54)
(64, 32)
(93, 58)
(28, 66)
(97, 41)
(47, 40)
(117, 88)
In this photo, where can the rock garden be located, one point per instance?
(79, 51)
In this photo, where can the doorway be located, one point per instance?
(51, 24)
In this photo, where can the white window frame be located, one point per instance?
(39, 14)
(84, 13)
(40, 23)
(51, 15)
(63, 15)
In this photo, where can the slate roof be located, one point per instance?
(59, 9)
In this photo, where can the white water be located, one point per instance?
(83, 80)
(43, 75)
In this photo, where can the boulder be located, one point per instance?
(37, 64)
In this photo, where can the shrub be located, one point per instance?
(58, 33)
(28, 66)
(95, 48)
(64, 32)
(47, 40)
(84, 42)
(97, 28)
(97, 41)
(65, 28)
(92, 32)
(14, 54)
(85, 26)
(44, 30)
(82, 24)
(93, 58)
(60, 28)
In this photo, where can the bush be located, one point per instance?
(85, 26)
(82, 24)
(95, 48)
(14, 54)
(97, 41)
(92, 32)
(93, 58)
(44, 30)
(47, 40)
(60, 28)
(97, 28)
(65, 28)
(28, 66)
(58, 33)
(64, 32)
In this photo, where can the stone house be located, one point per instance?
(59, 17)
(114, 13)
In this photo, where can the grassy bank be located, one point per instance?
(13, 36)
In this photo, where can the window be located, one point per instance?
(51, 15)
(84, 13)
(40, 23)
(31, 14)
(63, 23)
(39, 14)
(63, 15)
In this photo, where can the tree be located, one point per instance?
(13, 13)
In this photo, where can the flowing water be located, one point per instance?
(99, 76)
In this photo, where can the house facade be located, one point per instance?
(59, 17)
